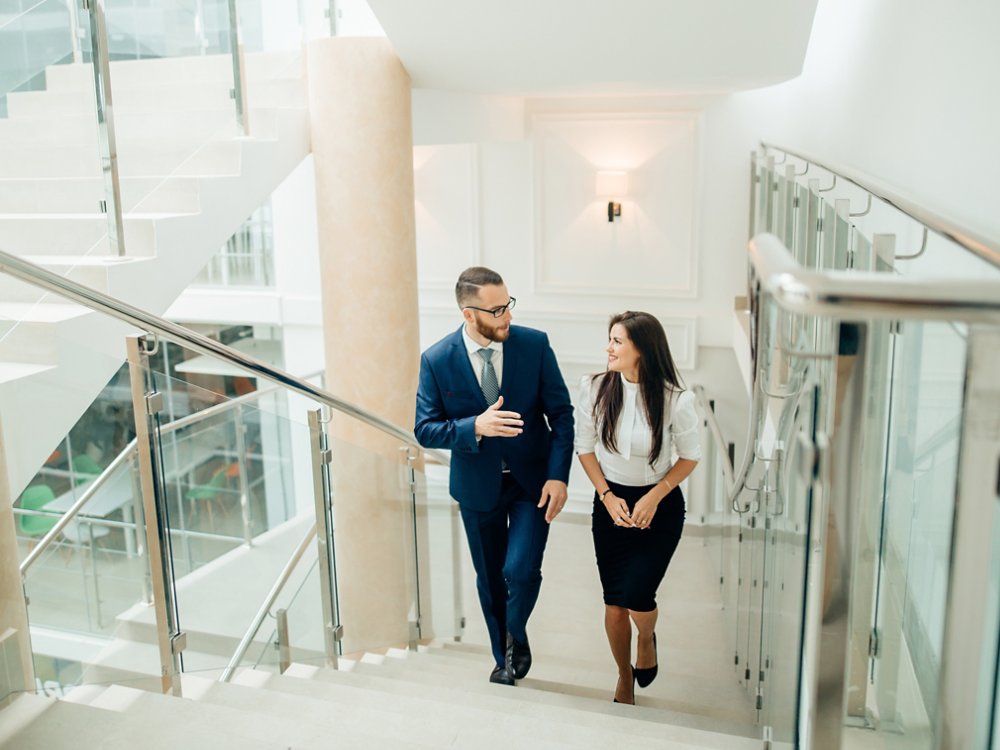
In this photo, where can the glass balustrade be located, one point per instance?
(911, 380)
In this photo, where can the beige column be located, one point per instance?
(359, 100)
(16, 674)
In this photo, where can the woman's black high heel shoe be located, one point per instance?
(645, 675)
(615, 700)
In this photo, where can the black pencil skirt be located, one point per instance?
(632, 562)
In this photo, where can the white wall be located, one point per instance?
(904, 90)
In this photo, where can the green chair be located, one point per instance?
(85, 468)
(36, 497)
(208, 494)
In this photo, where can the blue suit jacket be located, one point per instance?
(449, 399)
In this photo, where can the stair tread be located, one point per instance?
(490, 721)
(66, 724)
(11, 371)
(575, 708)
(82, 260)
(255, 722)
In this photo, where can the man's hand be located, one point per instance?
(554, 493)
(496, 423)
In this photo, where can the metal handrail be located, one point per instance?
(103, 477)
(177, 334)
(265, 607)
(986, 249)
(720, 442)
(71, 512)
(855, 295)
(858, 295)
(225, 406)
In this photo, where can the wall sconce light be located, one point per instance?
(612, 185)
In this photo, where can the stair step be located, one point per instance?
(580, 722)
(80, 102)
(674, 695)
(214, 157)
(13, 371)
(354, 714)
(76, 234)
(29, 195)
(66, 724)
(157, 71)
(257, 719)
(24, 711)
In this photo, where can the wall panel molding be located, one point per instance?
(653, 248)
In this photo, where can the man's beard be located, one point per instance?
(492, 334)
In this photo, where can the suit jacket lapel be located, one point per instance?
(461, 365)
(509, 364)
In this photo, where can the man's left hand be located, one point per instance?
(554, 494)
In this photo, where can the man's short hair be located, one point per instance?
(469, 281)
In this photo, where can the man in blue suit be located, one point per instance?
(492, 394)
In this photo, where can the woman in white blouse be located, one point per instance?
(630, 421)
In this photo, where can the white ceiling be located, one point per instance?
(586, 47)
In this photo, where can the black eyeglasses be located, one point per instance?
(496, 312)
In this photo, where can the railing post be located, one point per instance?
(319, 442)
(239, 91)
(146, 402)
(106, 126)
(968, 692)
(281, 630)
(411, 470)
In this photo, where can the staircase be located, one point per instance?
(436, 697)
(188, 180)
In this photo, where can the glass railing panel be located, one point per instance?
(828, 237)
(293, 627)
(843, 230)
(800, 224)
(862, 255)
(172, 78)
(372, 470)
(86, 589)
(32, 38)
(439, 554)
(914, 559)
(814, 214)
(784, 585)
(232, 521)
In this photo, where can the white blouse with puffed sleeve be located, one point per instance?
(629, 465)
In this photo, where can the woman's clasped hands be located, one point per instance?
(639, 518)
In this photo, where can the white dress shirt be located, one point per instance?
(477, 362)
(629, 465)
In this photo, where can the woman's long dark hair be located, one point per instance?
(657, 374)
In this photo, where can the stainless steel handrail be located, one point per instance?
(986, 249)
(720, 442)
(146, 321)
(855, 295)
(71, 512)
(269, 600)
(225, 406)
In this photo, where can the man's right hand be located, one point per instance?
(496, 423)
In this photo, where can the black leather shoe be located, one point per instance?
(501, 676)
(646, 675)
(518, 657)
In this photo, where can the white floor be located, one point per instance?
(696, 669)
